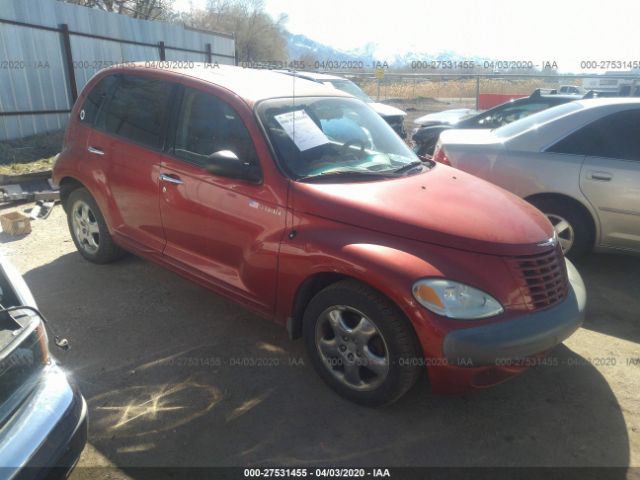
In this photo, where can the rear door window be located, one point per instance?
(137, 110)
(614, 136)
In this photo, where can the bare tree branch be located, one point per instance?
(143, 9)
(258, 36)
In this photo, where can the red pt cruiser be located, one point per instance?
(301, 203)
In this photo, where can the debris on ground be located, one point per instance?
(42, 209)
(31, 187)
(15, 223)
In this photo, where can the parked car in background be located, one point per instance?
(571, 90)
(43, 418)
(624, 91)
(445, 117)
(310, 210)
(579, 163)
(392, 115)
(426, 137)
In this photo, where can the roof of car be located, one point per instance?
(552, 129)
(315, 76)
(604, 101)
(251, 84)
(560, 97)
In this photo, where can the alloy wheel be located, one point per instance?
(352, 348)
(85, 227)
(564, 231)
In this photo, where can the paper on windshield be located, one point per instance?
(301, 129)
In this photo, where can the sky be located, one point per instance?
(566, 32)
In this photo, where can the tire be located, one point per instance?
(361, 344)
(89, 230)
(571, 224)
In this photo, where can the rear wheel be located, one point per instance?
(89, 230)
(361, 344)
(570, 224)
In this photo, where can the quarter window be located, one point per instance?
(137, 110)
(207, 125)
(96, 98)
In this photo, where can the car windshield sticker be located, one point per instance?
(302, 130)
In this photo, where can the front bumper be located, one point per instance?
(526, 336)
(46, 434)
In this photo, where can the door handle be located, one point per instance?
(170, 179)
(95, 151)
(600, 176)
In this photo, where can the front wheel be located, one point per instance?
(361, 344)
(89, 230)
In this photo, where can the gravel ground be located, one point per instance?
(166, 369)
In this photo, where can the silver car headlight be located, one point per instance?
(455, 300)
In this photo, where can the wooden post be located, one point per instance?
(163, 55)
(207, 48)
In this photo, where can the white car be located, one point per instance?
(578, 162)
(447, 117)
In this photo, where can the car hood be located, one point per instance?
(443, 206)
(448, 117)
(386, 110)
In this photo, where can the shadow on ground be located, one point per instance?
(175, 375)
(613, 286)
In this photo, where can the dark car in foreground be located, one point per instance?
(425, 137)
(43, 418)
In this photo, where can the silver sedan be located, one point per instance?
(579, 163)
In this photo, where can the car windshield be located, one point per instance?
(351, 88)
(535, 120)
(333, 136)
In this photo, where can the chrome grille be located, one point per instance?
(543, 277)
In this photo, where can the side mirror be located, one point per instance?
(227, 164)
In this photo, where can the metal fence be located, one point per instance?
(468, 89)
(49, 50)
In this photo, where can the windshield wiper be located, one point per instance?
(408, 166)
(348, 174)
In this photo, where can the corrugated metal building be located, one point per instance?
(36, 77)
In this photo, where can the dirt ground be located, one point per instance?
(177, 376)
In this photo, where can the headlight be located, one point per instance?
(455, 300)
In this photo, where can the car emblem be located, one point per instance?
(552, 242)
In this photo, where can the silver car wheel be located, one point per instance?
(352, 348)
(85, 227)
(564, 231)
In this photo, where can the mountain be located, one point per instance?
(301, 46)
